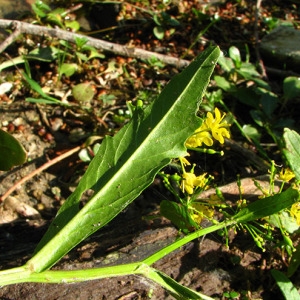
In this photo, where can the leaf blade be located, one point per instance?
(292, 151)
(127, 163)
(12, 152)
(287, 288)
(267, 206)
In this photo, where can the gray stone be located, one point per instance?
(281, 48)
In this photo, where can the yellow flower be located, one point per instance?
(295, 212)
(201, 181)
(200, 136)
(218, 129)
(188, 182)
(200, 212)
(210, 128)
(191, 181)
(214, 199)
(286, 175)
(184, 161)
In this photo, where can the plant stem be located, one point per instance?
(186, 239)
(24, 274)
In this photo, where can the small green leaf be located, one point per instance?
(83, 92)
(85, 155)
(226, 63)
(68, 69)
(269, 103)
(235, 55)
(294, 262)
(95, 54)
(81, 56)
(42, 101)
(91, 140)
(178, 215)
(159, 32)
(40, 8)
(72, 24)
(157, 19)
(37, 88)
(12, 152)
(80, 42)
(284, 220)
(251, 132)
(55, 17)
(291, 87)
(287, 288)
(292, 151)
(12, 62)
(224, 84)
(177, 290)
(258, 117)
(248, 71)
(47, 54)
(247, 96)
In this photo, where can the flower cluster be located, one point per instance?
(212, 127)
(191, 181)
(200, 212)
(286, 175)
(295, 212)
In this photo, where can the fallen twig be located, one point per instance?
(10, 39)
(281, 73)
(39, 170)
(260, 61)
(118, 49)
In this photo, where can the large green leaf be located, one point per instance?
(288, 290)
(267, 206)
(127, 163)
(12, 152)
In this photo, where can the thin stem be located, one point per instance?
(186, 239)
(24, 274)
(196, 40)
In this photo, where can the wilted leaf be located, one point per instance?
(5, 87)
(83, 92)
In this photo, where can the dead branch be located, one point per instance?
(260, 61)
(123, 50)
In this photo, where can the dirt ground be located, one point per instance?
(205, 265)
